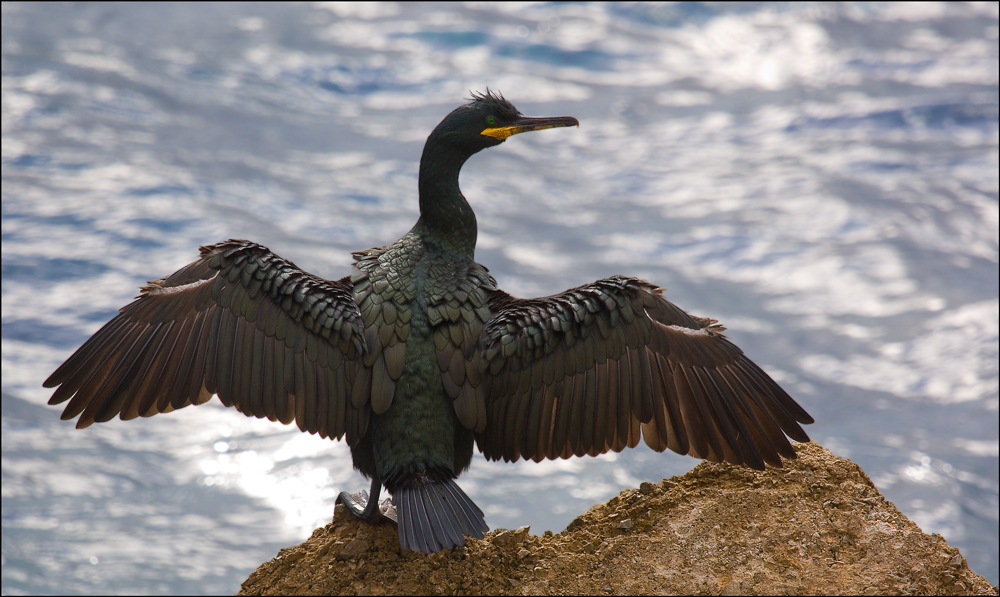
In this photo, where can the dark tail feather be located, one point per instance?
(436, 515)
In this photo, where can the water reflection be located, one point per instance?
(821, 178)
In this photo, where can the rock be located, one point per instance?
(818, 525)
(353, 549)
(510, 539)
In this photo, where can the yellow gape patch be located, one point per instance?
(501, 133)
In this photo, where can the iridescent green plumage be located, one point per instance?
(417, 356)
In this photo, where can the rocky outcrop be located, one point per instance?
(818, 525)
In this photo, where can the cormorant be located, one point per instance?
(417, 356)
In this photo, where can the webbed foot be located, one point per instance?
(368, 508)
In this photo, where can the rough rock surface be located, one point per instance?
(816, 526)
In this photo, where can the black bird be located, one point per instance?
(417, 356)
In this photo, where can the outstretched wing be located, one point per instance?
(240, 322)
(597, 367)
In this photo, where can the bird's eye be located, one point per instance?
(490, 120)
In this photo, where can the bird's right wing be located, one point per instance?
(241, 322)
(594, 368)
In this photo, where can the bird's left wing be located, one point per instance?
(241, 322)
(597, 367)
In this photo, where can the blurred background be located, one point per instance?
(823, 179)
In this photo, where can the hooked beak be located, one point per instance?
(526, 124)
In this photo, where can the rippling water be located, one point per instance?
(822, 179)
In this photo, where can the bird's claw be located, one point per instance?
(358, 505)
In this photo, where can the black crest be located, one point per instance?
(495, 103)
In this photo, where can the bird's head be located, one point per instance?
(486, 121)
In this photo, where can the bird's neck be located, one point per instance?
(446, 218)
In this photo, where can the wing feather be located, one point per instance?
(193, 347)
(625, 399)
(606, 365)
(241, 323)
